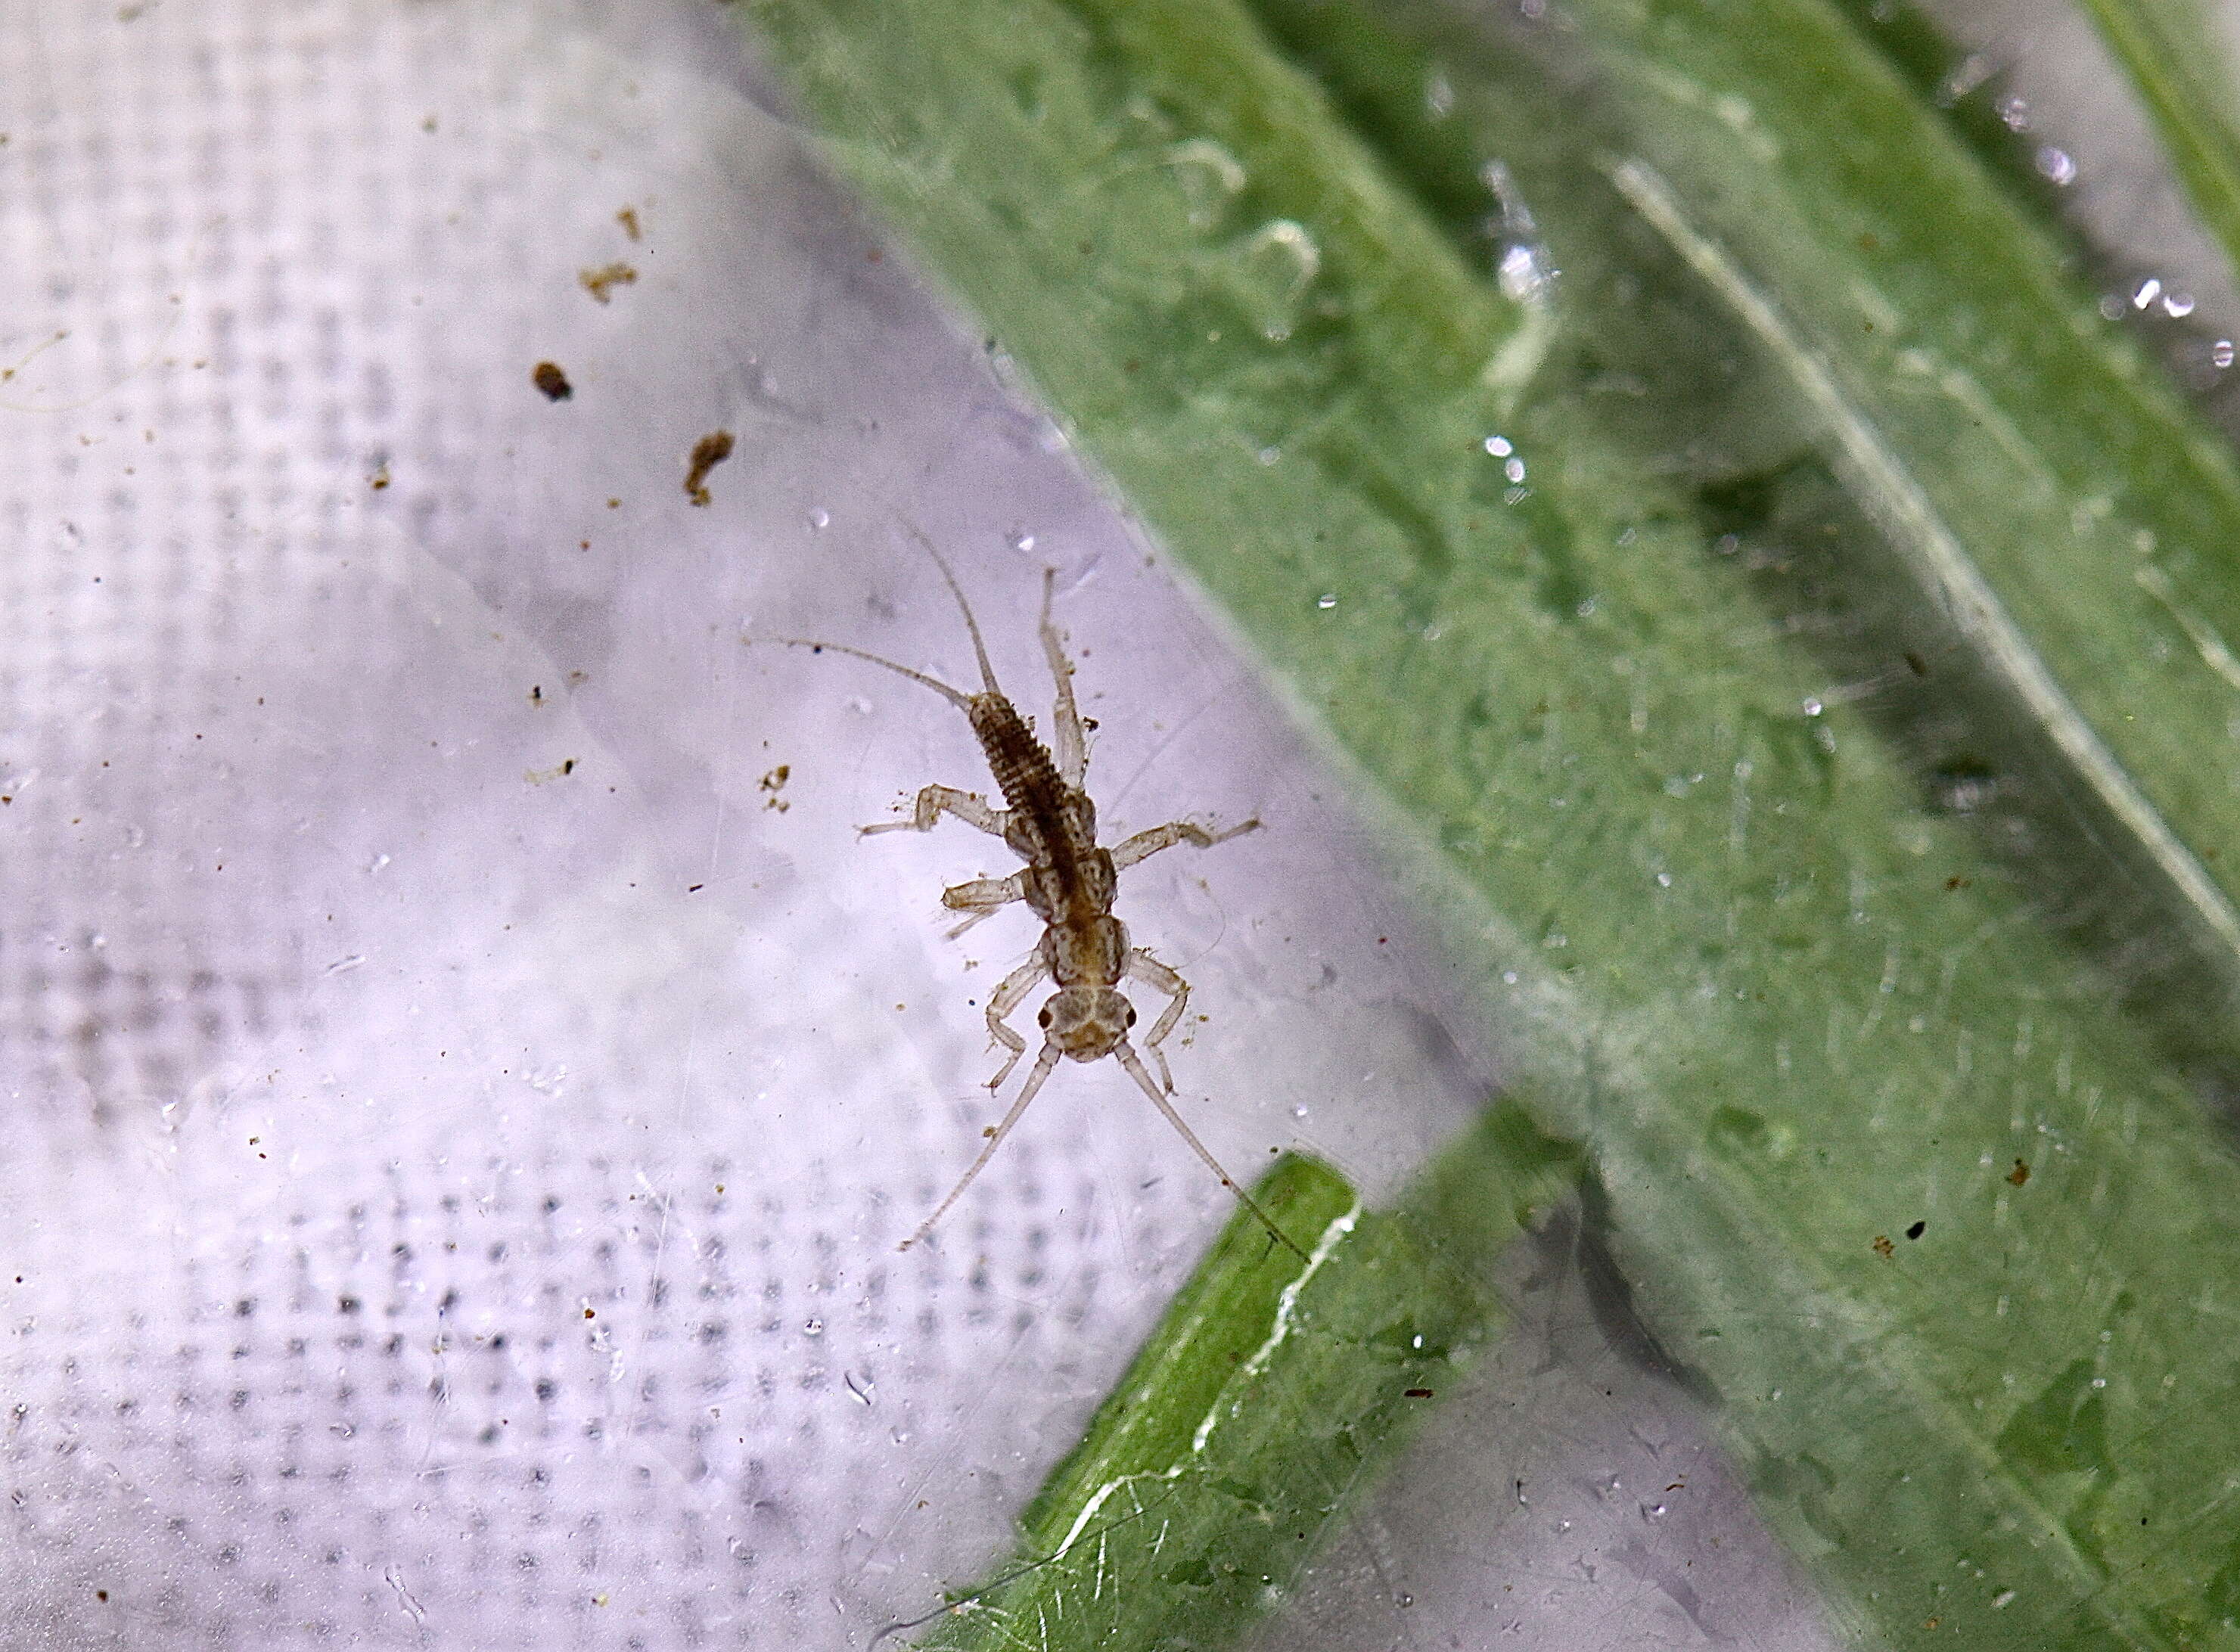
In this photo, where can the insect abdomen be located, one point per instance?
(1021, 764)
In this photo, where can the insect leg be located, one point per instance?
(983, 898)
(1142, 967)
(1013, 989)
(1042, 1072)
(1145, 844)
(934, 802)
(1072, 750)
(1137, 1071)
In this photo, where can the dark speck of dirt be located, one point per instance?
(708, 452)
(1916, 1230)
(2019, 1174)
(548, 377)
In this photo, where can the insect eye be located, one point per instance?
(1131, 1015)
(1044, 1018)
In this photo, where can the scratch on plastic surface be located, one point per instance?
(393, 1574)
(1286, 1304)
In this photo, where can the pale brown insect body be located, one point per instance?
(1069, 882)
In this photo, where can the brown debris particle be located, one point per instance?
(602, 281)
(1883, 1248)
(774, 783)
(708, 452)
(627, 218)
(2019, 1174)
(548, 377)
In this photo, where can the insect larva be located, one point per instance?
(1069, 882)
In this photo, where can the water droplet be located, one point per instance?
(2056, 166)
(1439, 97)
(1210, 179)
(1524, 275)
(1562, 1526)
(1299, 1111)
(1270, 455)
(1327, 600)
(2146, 293)
(1665, 880)
(1499, 446)
(813, 1327)
(1655, 1511)
(2220, 353)
(820, 518)
(1277, 262)
(1968, 74)
(2003, 1599)
(1813, 707)
(2177, 304)
(1021, 543)
(2015, 112)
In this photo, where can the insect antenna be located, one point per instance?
(954, 696)
(1042, 1070)
(979, 649)
(1128, 1058)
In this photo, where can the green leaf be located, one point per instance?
(1595, 582)
(2181, 71)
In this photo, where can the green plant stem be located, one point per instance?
(1269, 1390)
